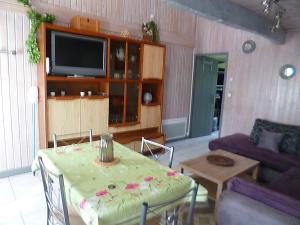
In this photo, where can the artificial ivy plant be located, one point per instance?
(35, 19)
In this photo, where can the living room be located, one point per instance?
(155, 76)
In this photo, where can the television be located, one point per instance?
(77, 55)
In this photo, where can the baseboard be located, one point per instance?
(14, 172)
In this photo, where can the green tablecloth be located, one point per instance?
(136, 178)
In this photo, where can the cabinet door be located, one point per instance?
(153, 62)
(63, 117)
(150, 116)
(94, 115)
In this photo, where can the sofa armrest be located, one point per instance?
(266, 196)
(238, 209)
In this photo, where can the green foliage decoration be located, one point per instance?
(36, 19)
(150, 28)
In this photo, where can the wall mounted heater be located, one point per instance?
(174, 128)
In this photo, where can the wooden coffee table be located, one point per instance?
(214, 177)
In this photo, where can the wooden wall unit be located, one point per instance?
(121, 110)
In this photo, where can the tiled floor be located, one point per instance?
(22, 199)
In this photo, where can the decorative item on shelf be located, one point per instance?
(125, 33)
(106, 148)
(150, 30)
(132, 58)
(249, 46)
(147, 97)
(120, 54)
(287, 71)
(36, 19)
(220, 160)
(90, 93)
(83, 23)
(82, 94)
(130, 74)
(52, 93)
(62, 93)
(117, 76)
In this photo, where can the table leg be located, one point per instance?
(255, 172)
(181, 170)
(218, 194)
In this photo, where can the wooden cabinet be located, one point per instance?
(153, 62)
(116, 105)
(150, 116)
(63, 117)
(94, 115)
(76, 115)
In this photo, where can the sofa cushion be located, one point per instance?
(270, 140)
(288, 183)
(290, 141)
(240, 144)
(267, 196)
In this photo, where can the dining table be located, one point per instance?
(113, 194)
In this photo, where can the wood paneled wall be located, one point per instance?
(16, 76)
(177, 94)
(257, 90)
(177, 30)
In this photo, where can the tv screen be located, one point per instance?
(77, 55)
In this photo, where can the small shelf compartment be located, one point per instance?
(154, 88)
(117, 59)
(73, 86)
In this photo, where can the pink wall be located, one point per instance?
(257, 90)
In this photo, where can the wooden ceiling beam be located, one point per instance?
(232, 14)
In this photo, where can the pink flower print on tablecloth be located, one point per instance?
(132, 186)
(77, 149)
(82, 204)
(102, 193)
(148, 179)
(60, 153)
(171, 173)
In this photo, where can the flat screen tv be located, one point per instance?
(73, 54)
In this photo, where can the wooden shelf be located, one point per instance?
(151, 104)
(153, 81)
(75, 79)
(127, 137)
(70, 97)
(113, 80)
(124, 124)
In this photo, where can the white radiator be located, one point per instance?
(174, 128)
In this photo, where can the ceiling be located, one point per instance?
(291, 18)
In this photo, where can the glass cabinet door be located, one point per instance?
(132, 102)
(117, 59)
(116, 103)
(133, 72)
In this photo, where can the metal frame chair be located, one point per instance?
(146, 143)
(60, 137)
(171, 219)
(57, 209)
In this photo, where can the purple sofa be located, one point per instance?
(241, 145)
(245, 203)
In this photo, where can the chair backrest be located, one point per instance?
(77, 138)
(57, 209)
(146, 147)
(177, 203)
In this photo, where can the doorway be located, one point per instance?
(208, 94)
